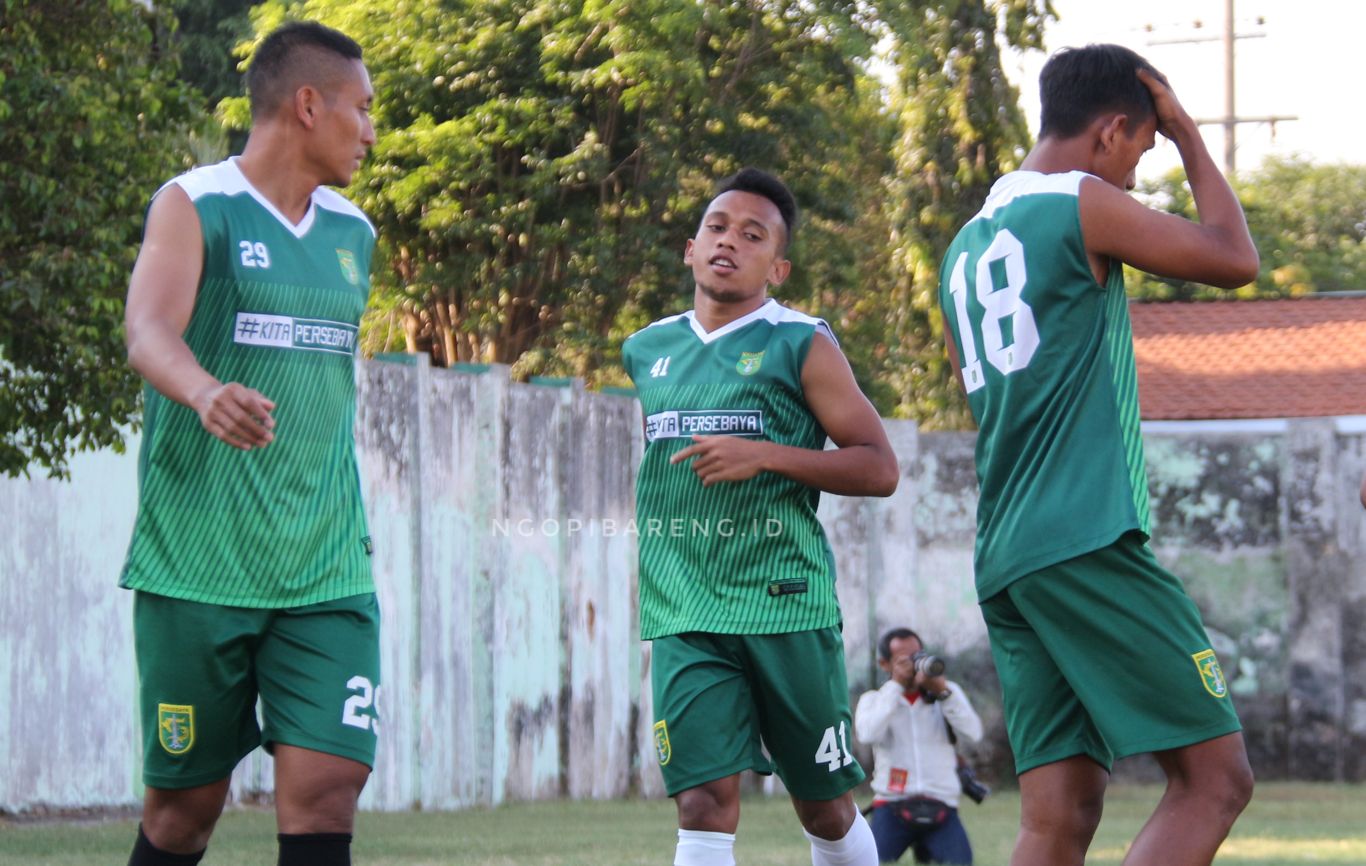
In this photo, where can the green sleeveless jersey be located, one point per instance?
(278, 309)
(1048, 365)
(745, 557)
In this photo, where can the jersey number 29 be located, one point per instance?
(1000, 303)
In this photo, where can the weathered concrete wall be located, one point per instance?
(68, 733)
(506, 574)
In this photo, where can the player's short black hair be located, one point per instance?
(753, 180)
(1079, 84)
(295, 54)
(884, 645)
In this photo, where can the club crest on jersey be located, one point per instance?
(662, 747)
(175, 727)
(347, 260)
(749, 363)
(1210, 673)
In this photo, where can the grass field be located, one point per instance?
(1286, 824)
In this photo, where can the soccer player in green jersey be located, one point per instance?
(1100, 651)
(737, 589)
(250, 557)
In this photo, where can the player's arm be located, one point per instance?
(861, 464)
(1217, 250)
(161, 297)
(1363, 491)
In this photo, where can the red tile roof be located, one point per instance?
(1304, 357)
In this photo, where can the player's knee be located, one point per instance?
(326, 805)
(334, 812)
(179, 827)
(826, 819)
(1075, 816)
(1230, 790)
(1226, 785)
(707, 808)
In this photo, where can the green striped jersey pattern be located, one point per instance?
(744, 557)
(278, 309)
(1053, 388)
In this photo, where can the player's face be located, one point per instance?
(737, 252)
(346, 132)
(1129, 149)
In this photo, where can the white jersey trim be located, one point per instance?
(772, 312)
(664, 321)
(1017, 184)
(226, 178)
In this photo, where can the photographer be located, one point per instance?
(912, 723)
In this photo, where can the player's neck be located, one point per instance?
(1059, 155)
(267, 165)
(712, 313)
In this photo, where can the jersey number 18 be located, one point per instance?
(1001, 303)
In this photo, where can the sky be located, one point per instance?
(1309, 63)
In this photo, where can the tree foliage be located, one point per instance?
(206, 33)
(1308, 221)
(959, 128)
(541, 162)
(90, 114)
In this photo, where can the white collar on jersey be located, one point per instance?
(298, 230)
(770, 309)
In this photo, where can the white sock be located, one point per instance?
(700, 848)
(857, 848)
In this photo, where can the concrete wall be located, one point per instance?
(506, 574)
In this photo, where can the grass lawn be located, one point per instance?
(1286, 824)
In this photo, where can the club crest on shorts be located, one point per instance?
(662, 747)
(749, 363)
(347, 260)
(175, 727)
(1210, 673)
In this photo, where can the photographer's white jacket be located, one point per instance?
(912, 755)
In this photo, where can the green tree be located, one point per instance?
(206, 33)
(959, 128)
(1308, 221)
(90, 119)
(540, 162)
(205, 36)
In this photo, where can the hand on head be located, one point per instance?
(1168, 107)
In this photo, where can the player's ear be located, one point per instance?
(687, 253)
(1112, 126)
(778, 271)
(307, 101)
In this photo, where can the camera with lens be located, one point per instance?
(930, 666)
(972, 787)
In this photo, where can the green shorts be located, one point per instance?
(1104, 655)
(720, 699)
(201, 668)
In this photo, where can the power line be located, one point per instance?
(1230, 120)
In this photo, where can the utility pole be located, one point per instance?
(1230, 115)
(1230, 120)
